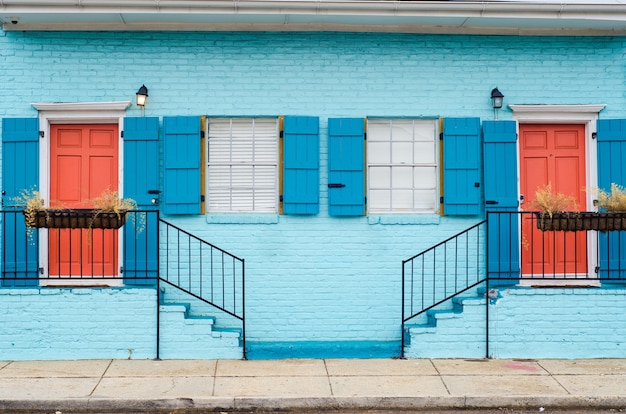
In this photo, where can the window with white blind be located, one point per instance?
(242, 172)
(402, 166)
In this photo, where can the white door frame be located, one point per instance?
(75, 113)
(566, 114)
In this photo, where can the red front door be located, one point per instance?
(83, 163)
(552, 154)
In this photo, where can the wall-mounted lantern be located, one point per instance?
(496, 100)
(142, 97)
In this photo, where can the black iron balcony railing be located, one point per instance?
(80, 254)
(520, 247)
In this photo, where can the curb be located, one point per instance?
(85, 405)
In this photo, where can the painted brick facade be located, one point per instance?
(320, 285)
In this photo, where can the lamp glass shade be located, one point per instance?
(496, 98)
(142, 95)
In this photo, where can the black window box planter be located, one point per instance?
(581, 221)
(79, 218)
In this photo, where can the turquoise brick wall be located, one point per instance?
(77, 323)
(316, 286)
(528, 322)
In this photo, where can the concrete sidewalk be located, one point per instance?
(188, 385)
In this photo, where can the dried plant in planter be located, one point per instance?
(548, 202)
(109, 201)
(614, 200)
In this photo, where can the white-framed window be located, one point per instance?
(402, 166)
(242, 170)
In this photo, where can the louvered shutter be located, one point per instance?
(181, 137)
(500, 159)
(346, 166)
(301, 165)
(141, 183)
(20, 171)
(611, 136)
(461, 163)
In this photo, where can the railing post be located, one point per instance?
(402, 323)
(487, 287)
(243, 306)
(158, 320)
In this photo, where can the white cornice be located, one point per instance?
(82, 106)
(537, 113)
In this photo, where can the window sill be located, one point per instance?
(403, 219)
(251, 218)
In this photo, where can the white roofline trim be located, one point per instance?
(506, 17)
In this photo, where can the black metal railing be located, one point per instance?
(79, 254)
(144, 251)
(443, 271)
(204, 271)
(520, 247)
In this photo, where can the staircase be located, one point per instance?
(456, 329)
(189, 330)
(201, 298)
(443, 305)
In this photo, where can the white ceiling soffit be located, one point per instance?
(509, 17)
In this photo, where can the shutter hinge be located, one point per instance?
(41, 134)
(440, 200)
(441, 136)
(365, 136)
(365, 200)
(121, 269)
(122, 134)
(41, 270)
(594, 135)
(202, 198)
(280, 198)
(597, 269)
(201, 134)
(281, 134)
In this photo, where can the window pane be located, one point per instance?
(378, 130)
(424, 152)
(380, 177)
(378, 152)
(380, 200)
(402, 177)
(402, 130)
(425, 177)
(425, 200)
(402, 153)
(402, 200)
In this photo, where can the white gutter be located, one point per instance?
(513, 16)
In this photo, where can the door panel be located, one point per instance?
(552, 154)
(83, 163)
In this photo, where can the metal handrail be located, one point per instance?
(203, 271)
(442, 265)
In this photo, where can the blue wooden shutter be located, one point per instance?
(611, 136)
(141, 183)
(500, 159)
(301, 175)
(346, 171)
(461, 163)
(181, 136)
(20, 171)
